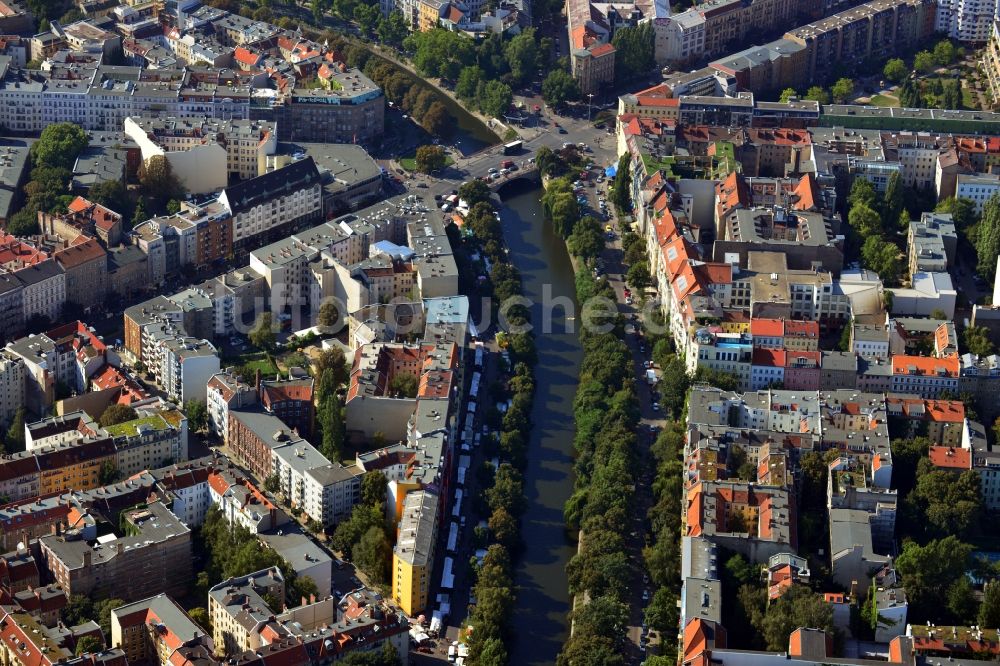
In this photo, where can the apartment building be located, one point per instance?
(153, 555)
(85, 266)
(878, 29)
(270, 206)
(848, 488)
(923, 376)
(239, 611)
(755, 521)
(44, 290)
(102, 97)
(156, 334)
(977, 188)
(225, 391)
(326, 492)
(12, 383)
(969, 21)
(252, 436)
(158, 631)
(204, 153)
(413, 554)
(931, 243)
(71, 355)
(11, 306)
(149, 442)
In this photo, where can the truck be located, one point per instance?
(506, 164)
(512, 148)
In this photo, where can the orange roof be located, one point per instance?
(13, 250)
(833, 597)
(806, 194)
(245, 56)
(658, 101)
(696, 502)
(802, 329)
(922, 365)
(714, 273)
(661, 91)
(455, 14)
(810, 359)
(780, 136)
(665, 227)
(602, 50)
(941, 337)
(947, 411)
(949, 457)
(772, 328)
(104, 218)
(732, 193)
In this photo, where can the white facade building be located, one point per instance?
(966, 20)
(977, 188)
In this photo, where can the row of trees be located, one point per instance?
(606, 413)
(840, 92)
(503, 488)
(986, 237)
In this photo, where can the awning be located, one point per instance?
(611, 171)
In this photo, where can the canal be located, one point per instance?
(540, 618)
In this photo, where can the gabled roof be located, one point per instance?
(949, 457)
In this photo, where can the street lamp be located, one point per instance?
(590, 100)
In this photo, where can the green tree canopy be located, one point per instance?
(787, 94)
(977, 340)
(197, 414)
(116, 414)
(924, 62)
(587, 239)
(842, 90)
(895, 70)
(262, 335)
(59, 145)
(929, 572)
(988, 237)
(430, 158)
(522, 56)
(817, 94)
(158, 181)
(559, 87)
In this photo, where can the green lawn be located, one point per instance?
(131, 428)
(254, 361)
(410, 163)
(968, 99)
(883, 100)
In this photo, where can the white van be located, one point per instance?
(452, 649)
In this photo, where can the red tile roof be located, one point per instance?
(949, 457)
(246, 56)
(924, 365)
(774, 358)
(104, 218)
(772, 328)
(602, 50)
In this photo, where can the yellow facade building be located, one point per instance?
(413, 556)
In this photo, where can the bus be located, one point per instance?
(512, 148)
